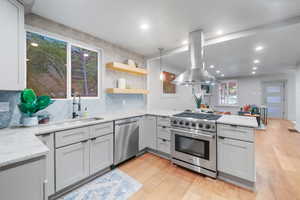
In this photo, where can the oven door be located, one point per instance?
(194, 147)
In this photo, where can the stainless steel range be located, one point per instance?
(193, 142)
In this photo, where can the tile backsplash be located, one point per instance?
(62, 109)
(12, 97)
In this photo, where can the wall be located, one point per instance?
(297, 94)
(250, 92)
(156, 101)
(62, 109)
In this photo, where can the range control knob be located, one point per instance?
(193, 125)
(174, 122)
(181, 122)
(200, 125)
(187, 123)
(207, 126)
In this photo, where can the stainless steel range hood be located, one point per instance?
(196, 74)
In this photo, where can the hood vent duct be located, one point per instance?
(196, 74)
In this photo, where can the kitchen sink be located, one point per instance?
(79, 120)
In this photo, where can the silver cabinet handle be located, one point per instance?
(45, 182)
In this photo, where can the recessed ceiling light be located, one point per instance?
(34, 44)
(259, 48)
(145, 26)
(86, 55)
(254, 68)
(220, 32)
(184, 42)
(222, 75)
(253, 72)
(256, 61)
(218, 71)
(211, 66)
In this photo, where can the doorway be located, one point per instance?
(274, 98)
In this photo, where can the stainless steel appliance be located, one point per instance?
(193, 142)
(196, 73)
(126, 139)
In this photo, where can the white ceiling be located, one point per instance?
(235, 58)
(169, 20)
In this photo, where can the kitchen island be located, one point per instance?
(236, 150)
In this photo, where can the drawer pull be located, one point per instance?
(84, 141)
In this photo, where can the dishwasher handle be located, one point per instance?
(126, 123)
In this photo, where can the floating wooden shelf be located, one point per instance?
(126, 68)
(126, 91)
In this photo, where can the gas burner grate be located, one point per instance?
(198, 116)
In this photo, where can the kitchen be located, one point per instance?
(155, 106)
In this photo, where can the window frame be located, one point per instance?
(237, 90)
(70, 43)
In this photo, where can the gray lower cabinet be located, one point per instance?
(101, 153)
(72, 164)
(148, 133)
(25, 181)
(48, 140)
(236, 158)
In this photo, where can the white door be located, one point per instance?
(48, 140)
(12, 40)
(101, 153)
(273, 98)
(236, 158)
(72, 164)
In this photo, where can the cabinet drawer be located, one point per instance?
(163, 145)
(164, 133)
(102, 129)
(63, 138)
(164, 121)
(236, 132)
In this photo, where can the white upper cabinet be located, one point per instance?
(12, 40)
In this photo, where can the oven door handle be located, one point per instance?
(193, 133)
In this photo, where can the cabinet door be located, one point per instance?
(24, 182)
(236, 158)
(72, 164)
(48, 140)
(101, 153)
(148, 133)
(12, 39)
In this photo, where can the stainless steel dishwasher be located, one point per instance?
(126, 139)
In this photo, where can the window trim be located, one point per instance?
(237, 89)
(71, 42)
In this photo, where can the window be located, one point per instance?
(84, 72)
(46, 65)
(48, 72)
(228, 94)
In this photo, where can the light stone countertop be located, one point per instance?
(20, 144)
(238, 120)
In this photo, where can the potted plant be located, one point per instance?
(198, 100)
(30, 104)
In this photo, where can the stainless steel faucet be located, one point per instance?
(78, 103)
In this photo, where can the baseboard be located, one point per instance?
(237, 181)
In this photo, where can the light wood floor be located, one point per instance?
(277, 165)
